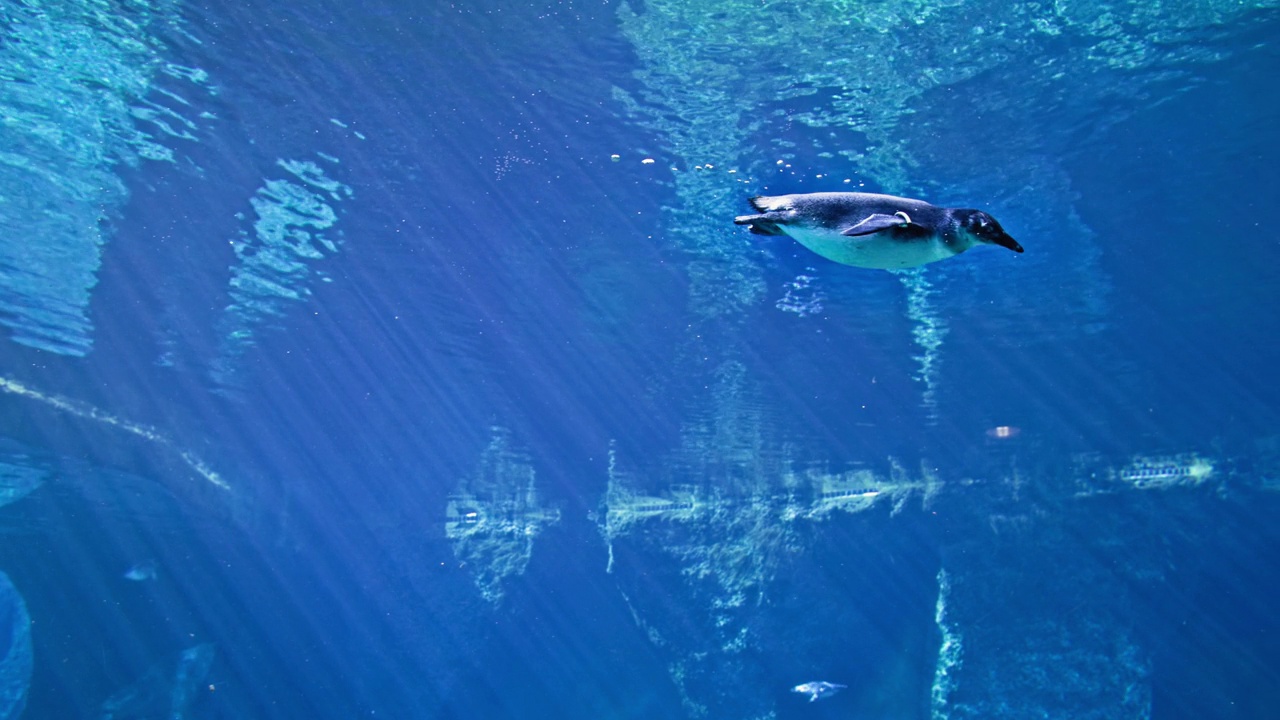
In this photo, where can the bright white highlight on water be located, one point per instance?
(88, 412)
(949, 653)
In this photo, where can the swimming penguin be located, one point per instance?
(818, 689)
(875, 231)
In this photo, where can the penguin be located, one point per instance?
(818, 689)
(868, 230)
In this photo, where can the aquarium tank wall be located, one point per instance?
(707, 359)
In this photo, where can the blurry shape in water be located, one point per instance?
(16, 659)
(818, 689)
(1004, 432)
(20, 475)
(868, 230)
(492, 519)
(142, 572)
(167, 689)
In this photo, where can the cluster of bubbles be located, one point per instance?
(801, 296)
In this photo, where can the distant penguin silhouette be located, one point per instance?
(141, 572)
(875, 231)
(817, 689)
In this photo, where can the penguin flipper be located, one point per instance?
(874, 224)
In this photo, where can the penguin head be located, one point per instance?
(984, 228)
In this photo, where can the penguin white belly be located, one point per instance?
(878, 251)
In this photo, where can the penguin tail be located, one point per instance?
(759, 224)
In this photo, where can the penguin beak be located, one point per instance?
(1003, 239)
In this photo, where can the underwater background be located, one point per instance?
(402, 360)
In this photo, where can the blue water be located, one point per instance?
(370, 360)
